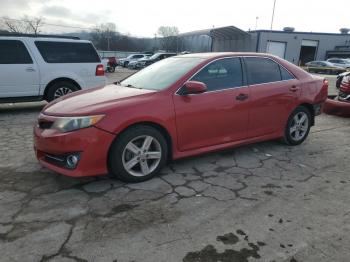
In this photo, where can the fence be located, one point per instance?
(119, 54)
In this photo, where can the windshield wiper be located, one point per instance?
(131, 86)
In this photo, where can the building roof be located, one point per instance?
(297, 32)
(227, 32)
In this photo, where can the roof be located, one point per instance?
(223, 54)
(227, 32)
(38, 36)
(297, 32)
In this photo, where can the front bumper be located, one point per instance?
(91, 143)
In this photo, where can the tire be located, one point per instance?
(130, 148)
(111, 69)
(126, 64)
(59, 89)
(301, 128)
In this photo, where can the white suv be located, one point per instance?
(36, 68)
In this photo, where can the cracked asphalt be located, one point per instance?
(262, 202)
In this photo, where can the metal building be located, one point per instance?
(221, 39)
(302, 47)
(296, 47)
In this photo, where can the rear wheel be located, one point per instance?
(138, 154)
(60, 89)
(111, 69)
(298, 126)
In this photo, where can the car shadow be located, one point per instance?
(26, 107)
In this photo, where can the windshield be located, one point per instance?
(154, 56)
(161, 75)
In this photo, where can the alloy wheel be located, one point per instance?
(62, 91)
(299, 126)
(142, 155)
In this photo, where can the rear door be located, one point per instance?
(77, 60)
(19, 74)
(274, 94)
(217, 116)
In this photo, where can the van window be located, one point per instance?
(14, 52)
(67, 52)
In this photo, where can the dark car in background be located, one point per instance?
(154, 58)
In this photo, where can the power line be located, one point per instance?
(44, 23)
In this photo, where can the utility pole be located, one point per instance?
(256, 22)
(273, 13)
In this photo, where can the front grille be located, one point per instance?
(58, 160)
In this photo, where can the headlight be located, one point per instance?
(67, 124)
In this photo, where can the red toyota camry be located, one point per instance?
(181, 106)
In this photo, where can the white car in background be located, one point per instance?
(344, 63)
(134, 57)
(34, 68)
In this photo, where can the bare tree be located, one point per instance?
(12, 25)
(27, 24)
(169, 37)
(104, 36)
(33, 24)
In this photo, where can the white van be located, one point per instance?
(34, 68)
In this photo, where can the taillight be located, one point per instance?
(100, 71)
(324, 89)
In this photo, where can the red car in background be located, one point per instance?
(178, 107)
(340, 105)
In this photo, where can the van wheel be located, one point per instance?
(298, 126)
(138, 154)
(60, 89)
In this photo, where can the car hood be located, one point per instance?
(94, 101)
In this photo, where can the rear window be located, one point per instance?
(67, 52)
(262, 70)
(285, 74)
(14, 52)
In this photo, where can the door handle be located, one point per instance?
(242, 97)
(294, 88)
(30, 69)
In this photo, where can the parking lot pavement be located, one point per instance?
(263, 202)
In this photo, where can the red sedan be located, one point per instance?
(181, 106)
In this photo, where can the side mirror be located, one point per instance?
(194, 87)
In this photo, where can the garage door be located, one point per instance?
(276, 48)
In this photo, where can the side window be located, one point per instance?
(67, 52)
(285, 74)
(14, 52)
(262, 70)
(221, 74)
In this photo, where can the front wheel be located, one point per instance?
(298, 126)
(138, 154)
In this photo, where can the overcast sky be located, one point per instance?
(142, 18)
